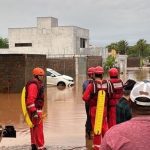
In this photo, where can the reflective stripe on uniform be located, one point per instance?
(30, 106)
(117, 85)
(39, 110)
(41, 147)
(98, 146)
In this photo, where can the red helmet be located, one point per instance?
(38, 71)
(99, 70)
(91, 71)
(113, 72)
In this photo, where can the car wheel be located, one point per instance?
(61, 85)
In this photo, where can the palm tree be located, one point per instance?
(141, 46)
(122, 47)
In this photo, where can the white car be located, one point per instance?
(55, 78)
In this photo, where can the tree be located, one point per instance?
(109, 63)
(141, 46)
(132, 51)
(3, 42)
(112, 46)
(141, 49)
(122, 47)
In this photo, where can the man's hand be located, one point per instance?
(35, 118)
(35, 114)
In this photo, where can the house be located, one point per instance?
(49, 38)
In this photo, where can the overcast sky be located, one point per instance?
(107, 20)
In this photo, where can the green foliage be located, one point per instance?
(3, 42)
(132, 51)
(122, 47)
(140, 49)
(112, 46)
(109, 63)
(148, 59)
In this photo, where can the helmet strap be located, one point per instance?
(37, 77)
(114, 77)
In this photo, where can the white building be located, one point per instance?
(48, 38)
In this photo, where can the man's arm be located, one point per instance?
(84, 86)
(87, 94)
(31, 97)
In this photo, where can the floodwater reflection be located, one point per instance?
(139, 74)
(65, 121)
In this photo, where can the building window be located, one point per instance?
(23, 44)
(82, 43)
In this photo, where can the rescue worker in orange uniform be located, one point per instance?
(90, 79)
(90, 95)
(34, 104)
(116, 92)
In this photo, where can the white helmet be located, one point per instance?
(141, 89)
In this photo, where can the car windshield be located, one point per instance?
(55, 73)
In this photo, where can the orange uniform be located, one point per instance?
(90, 96)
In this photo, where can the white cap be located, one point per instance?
(141, 89)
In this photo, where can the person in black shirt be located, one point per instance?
(123, 110)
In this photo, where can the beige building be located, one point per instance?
(48, 38)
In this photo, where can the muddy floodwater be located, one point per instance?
(64, 125)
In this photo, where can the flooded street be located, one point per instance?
(64, 126)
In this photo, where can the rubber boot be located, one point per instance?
(88, 132)
(33, 147)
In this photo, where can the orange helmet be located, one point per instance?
(113, 72)
(91, 71)
(38, 71)
(99, 70)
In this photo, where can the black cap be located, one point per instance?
(129, 84)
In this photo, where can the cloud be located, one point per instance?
(107, 20)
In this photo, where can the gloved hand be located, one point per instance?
(35, 114)
(35, 118)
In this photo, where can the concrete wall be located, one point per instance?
(46, 22)
(32, 61)
(133, 62)
(75, 65)
(83, 63)
(80, 33)
(122, 63)
(48, 38)
(16, 70)
(93, 61)
(12, 68)
(62, 41)
(95, 51)
(62, 65)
